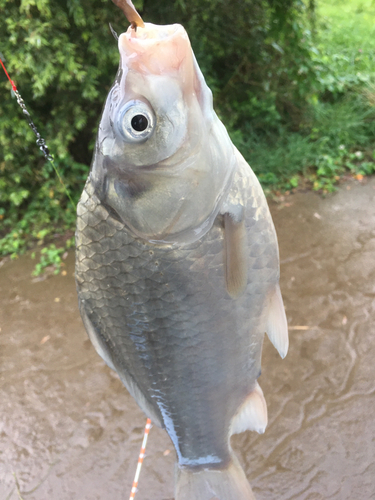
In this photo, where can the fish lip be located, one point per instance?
(132, 44)
(155, 49)
(159, 33)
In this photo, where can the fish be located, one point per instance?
(177, 262)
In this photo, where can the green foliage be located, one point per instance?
(337, 123)
(347, 44)
(13, 243)
(51, 257)
(60, 55)
(333, 139)
(295, 87)
(256, 56)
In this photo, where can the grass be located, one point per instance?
(337, 131)
(346, 37)
(337, 138)
(347, 34)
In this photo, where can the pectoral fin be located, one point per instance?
(235, 254)
(252, 414)
(277, 327)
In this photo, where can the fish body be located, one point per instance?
(177, 263)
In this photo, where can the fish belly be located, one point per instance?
(162, 317)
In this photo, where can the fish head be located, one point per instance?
(162, 159)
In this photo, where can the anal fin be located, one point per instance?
(252, 414)
(277, 326)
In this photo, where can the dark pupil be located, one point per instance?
(139, 123)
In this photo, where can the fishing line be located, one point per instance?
(39, 139)
(140, 459)
(44, 148)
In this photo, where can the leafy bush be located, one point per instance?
(60, 55)
(291, 87)
(51, 258)
(346, 43)
(256, 55)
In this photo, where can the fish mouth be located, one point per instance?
(164, 50)
(156, 49)
(155, 32)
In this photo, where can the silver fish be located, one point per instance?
(177, 264)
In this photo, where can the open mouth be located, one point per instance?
(156, 49)
(154, 32)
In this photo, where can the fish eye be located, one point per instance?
(139, 123)
(135, 121)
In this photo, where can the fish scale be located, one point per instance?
(158, 317)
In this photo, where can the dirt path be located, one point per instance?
(70, 431)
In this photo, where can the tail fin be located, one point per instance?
(213, 484)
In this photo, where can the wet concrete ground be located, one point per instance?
(70, 431)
